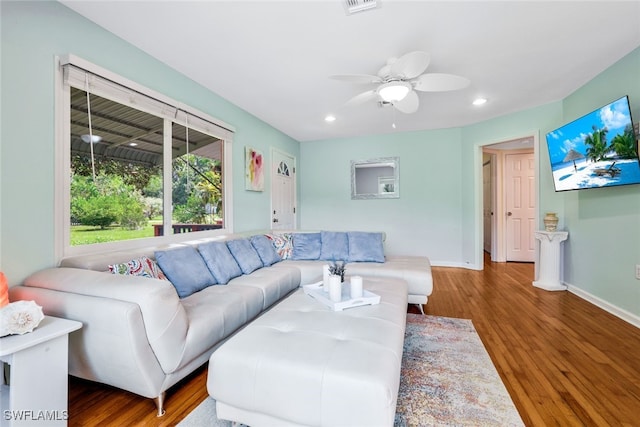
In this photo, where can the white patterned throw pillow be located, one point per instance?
(282, 243)
(143, 266)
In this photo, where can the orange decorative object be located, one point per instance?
(4, 290)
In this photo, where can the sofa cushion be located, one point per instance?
(143, 266)
(335, 246)
(185, 269)
(265, 249)
(306, 246)
(282, 243)
(219, 261)
(274, 282)
(245, 255)
(365, 246)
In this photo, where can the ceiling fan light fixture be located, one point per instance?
(91, 138)
(394, 91)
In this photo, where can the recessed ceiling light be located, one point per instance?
(133, 144)
(330, 118)
(479, 101)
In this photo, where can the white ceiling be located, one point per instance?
(274, 58)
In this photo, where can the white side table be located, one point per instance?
(550, 260)
(37, 392)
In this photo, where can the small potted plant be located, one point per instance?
(337, 268)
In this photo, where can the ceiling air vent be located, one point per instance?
(354, 6)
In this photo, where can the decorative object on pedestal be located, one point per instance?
(337, 268)
(550, 221)
(20, 317)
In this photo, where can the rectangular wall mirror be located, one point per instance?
(375, 178)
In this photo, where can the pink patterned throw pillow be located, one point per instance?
(143, 266)
(282, 244)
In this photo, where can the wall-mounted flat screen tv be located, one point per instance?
(599, 149)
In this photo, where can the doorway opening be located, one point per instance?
(509, 200)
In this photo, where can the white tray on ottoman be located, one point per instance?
(316, 291)
(302, 364)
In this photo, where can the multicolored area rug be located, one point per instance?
(447, 379)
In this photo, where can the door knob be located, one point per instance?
(275, 219)
(509, 214)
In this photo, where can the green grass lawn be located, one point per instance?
(86, 235)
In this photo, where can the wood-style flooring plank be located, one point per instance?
(564, 361)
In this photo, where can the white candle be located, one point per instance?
(335, 288)
(325, 278)
(356, 287)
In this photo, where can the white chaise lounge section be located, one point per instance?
(302, 364)
(415, 270)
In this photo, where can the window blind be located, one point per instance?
(105, 87)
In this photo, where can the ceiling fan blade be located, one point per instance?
(362, 98)
(438, 82)
(357, 78)
(409, 104)
(410, 65)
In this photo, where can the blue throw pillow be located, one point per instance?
(365, 246)
(306, 246)
(265, 249)
(335, 246)
(245, 255)
(220, 262)
(185, 269)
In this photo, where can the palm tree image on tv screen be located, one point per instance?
(599, 149)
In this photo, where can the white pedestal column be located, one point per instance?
(550, 260)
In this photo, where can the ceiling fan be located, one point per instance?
(399, 80)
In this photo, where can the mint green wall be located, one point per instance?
(439, 186)
(425, 220)
(604, 223)
(32, 34)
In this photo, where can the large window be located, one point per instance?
(138, 164)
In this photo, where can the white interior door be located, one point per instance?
(520, 206)
(283, 191)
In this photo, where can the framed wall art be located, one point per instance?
(253, 170)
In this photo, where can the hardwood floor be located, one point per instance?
(564, 361)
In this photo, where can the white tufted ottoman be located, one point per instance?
(303, 364)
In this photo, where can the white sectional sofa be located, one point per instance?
(144, 334)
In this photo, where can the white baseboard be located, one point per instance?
(606, 306)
